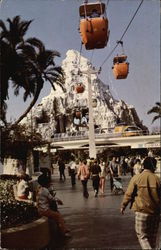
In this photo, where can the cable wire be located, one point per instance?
(107, 2)
(92, 55)
(122, 35)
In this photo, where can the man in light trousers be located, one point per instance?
(144, 194)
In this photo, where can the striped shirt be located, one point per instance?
(44, 197)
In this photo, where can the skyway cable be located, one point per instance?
(122, 34)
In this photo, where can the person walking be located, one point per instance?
(72, 171)
(144, 194)
(137, 167)
(61, 165)
(124, 165)
(102, 175)
(83, 174)
(114, 170)
(131, 163)
(95, 170)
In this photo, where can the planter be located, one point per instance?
(31, 235)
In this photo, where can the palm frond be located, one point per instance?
(51, 81)
(26, 95)
(36, 42)
(153, 110)
(17, 91)
(27, 51)
(158, 104)
(23, 27)
(155, 118)
(56, 53)
(3, 26)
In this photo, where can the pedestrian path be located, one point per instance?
(95, 222)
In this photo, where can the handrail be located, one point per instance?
(83, 135)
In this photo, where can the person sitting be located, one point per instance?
(23, 189)
(84, 120)
(76, 121)
(44, 199)
(94, 13)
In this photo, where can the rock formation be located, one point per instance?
(57, 111)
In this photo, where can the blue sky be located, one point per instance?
(56, 23)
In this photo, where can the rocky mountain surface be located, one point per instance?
(63, 112)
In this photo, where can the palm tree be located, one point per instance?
(156, 109)
(41, 69)
(9, 59)
(25, 63)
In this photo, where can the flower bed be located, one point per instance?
(13, 212)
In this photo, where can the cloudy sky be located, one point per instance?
(56, 23)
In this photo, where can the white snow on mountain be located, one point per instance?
(56, 111)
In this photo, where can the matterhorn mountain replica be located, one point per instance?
(62, 111)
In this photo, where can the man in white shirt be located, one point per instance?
(73, 171)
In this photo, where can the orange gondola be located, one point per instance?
(79, 88)
(120, 64)
(93, 25)
(120, 67)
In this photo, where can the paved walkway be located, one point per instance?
(95, 222)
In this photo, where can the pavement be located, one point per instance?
(96, 222)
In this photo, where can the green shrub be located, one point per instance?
(13, 212)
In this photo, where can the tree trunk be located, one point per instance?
(30, 106)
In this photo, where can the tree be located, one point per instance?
(17, 141)
(25, 63)
(156, 109)
(10, 61)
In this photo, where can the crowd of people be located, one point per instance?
(98, 170)
(143, 191)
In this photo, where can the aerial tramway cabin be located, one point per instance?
(79, 88)
(120, 67)
(93, 25)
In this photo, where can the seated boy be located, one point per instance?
(44, 199)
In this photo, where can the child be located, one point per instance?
(44, 200)
(23, 188)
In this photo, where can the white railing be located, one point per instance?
(83, 135)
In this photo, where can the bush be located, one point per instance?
(13, 212)
(9, 177)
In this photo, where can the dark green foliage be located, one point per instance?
(17, 142)
(13, 212)
(25, 63)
